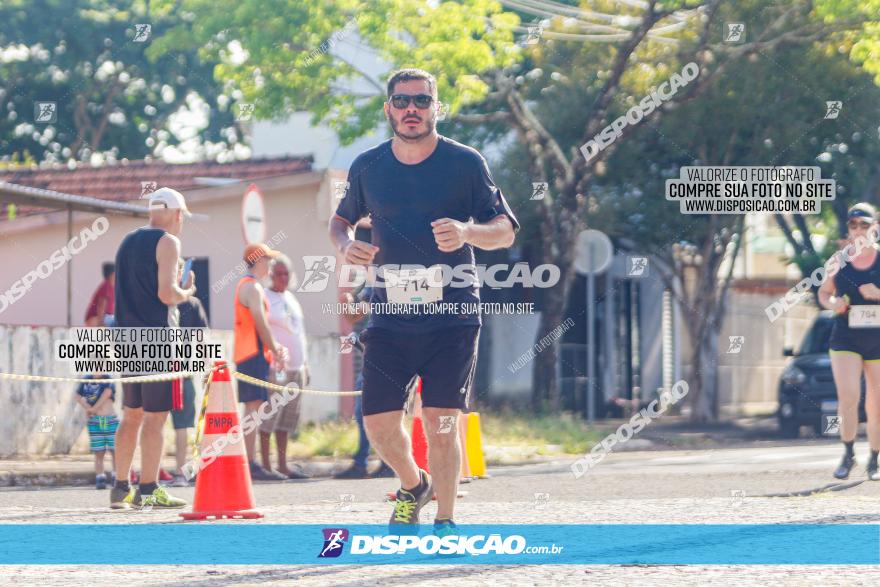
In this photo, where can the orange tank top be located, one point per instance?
(246, 338)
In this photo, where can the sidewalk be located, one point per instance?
(663, 434)
(73, 470)
(78, 470)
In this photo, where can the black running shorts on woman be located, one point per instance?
(445, 359)
(864, 342)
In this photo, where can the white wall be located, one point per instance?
(25, 350)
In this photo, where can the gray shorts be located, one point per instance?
(286, 419)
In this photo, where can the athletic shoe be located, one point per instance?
(445, 528)
(873, 471)
(179, 481)
(846, 465)
(258, 473)
(120, 499)
(384, 471)
(165, 476)
(353, 472)
(101, 482)
(408, 505)
(160, 499)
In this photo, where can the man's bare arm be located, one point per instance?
(450, 235)
(355, 252)
(167, 255)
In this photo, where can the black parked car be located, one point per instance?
(806, 386)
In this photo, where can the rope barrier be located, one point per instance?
(169, 377)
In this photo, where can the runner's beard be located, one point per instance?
(430, 123)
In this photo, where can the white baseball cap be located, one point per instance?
(169, 199)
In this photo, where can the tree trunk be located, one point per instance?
(545, 386)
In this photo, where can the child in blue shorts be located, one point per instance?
(96, 398)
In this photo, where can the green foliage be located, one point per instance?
(112, 97)
(289, 64)
(517, 429)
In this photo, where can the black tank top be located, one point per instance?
(137, 280)
(848, 280)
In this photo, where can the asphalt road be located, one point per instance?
(693, 487)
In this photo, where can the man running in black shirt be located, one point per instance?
(431, 200)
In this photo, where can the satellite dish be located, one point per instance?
(593, 252)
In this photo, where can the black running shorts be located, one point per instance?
(152, 397)
(855, 341)
(445, 359)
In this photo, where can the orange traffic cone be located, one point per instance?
(419, 444)
(419, 440)
(223, 485)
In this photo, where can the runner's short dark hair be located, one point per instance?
(405, 75)
(108, 269)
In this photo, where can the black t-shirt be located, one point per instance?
(402, 201)
(847, 281)
(137, 280)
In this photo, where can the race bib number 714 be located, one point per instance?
(414, 286)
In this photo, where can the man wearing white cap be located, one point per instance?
(147, 292)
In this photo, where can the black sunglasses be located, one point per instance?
(401, 101)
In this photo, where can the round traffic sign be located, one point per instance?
(593, 252)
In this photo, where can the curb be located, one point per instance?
(86, 478)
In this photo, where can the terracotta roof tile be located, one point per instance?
(122, 181)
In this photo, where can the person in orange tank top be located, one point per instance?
(255, 347)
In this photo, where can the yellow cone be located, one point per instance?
(475, 446)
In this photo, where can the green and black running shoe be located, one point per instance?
(409, 504)
(120, 499)
(161, 499)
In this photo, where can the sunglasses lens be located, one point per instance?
(401, 101)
